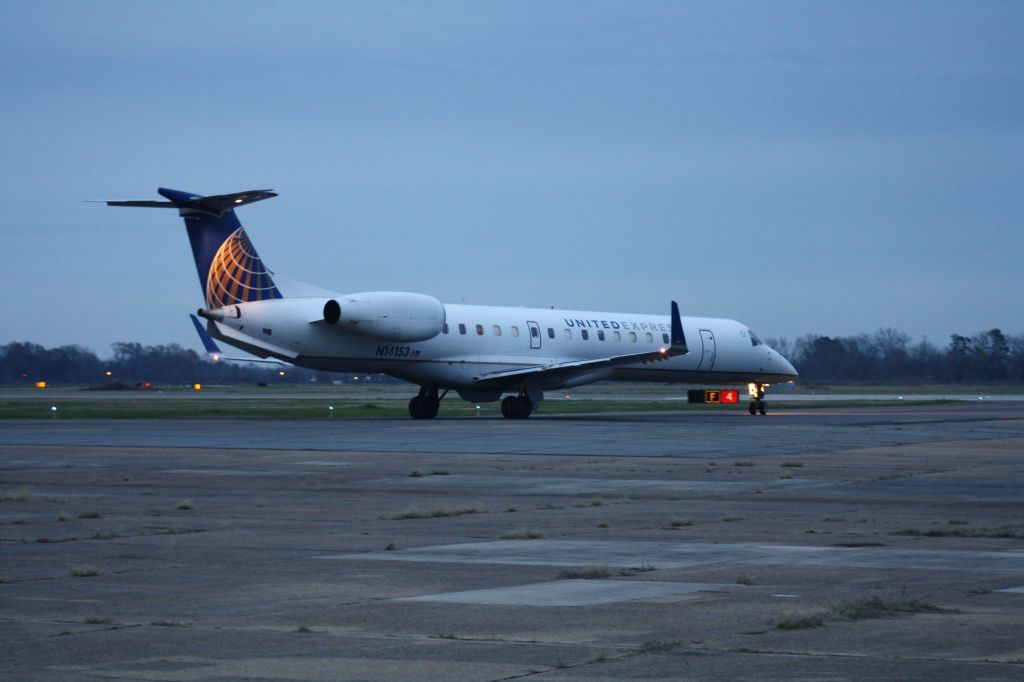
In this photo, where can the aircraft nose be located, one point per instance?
(787, 367)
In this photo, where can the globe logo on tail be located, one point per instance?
(237, 275)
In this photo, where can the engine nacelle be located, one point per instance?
(389, 315)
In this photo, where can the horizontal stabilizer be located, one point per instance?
(217, 204)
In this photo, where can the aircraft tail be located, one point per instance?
(230, 270)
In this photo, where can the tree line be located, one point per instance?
(134, 365)
(887, 355)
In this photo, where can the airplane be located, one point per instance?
(481, 352)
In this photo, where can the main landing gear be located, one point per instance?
(516, 407)
(757, 403)
(426, 404)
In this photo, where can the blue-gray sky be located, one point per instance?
(803, 167)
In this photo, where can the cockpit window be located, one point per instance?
(754, 341)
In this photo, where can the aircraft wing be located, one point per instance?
(675, 348)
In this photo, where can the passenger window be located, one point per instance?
(664, 338)
(551, 333)
(600, 335)
(617, 336)
(444, 328)
(568, 334)
(462, 328)
(515, 330)
(479, 330)
(632, 337)
(650, 337)
(585, 334)
(497, 330)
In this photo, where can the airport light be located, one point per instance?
(108, 373)
(330, 411)
(197, 387)
(40, 384)
(53, 411)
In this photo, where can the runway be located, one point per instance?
(731, 433)
(661, 546)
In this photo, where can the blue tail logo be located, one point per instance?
(237, 275)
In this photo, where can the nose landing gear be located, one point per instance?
(757, 403)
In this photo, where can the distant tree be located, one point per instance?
(1015, 362)
(822, 358)
(23, 361)
(926, 362)
(993, 354)
(960, 355)
(893, 360)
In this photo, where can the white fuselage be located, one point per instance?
(481, 340)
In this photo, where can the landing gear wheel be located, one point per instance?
(416, 408)
(425, 405)
(523, 407)
(753, 407)
(762, 407)
(516, 407)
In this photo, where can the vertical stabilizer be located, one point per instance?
(230, 270)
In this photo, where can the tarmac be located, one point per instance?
(832, 543)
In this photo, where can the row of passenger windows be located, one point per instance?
(496, 330)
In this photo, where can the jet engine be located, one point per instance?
(387, 315)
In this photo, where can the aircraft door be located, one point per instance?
(534, 334)
(707, 356)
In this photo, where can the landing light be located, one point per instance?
(108, 373)
(280, 373)
(238, 201)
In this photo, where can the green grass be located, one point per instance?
(311, 402)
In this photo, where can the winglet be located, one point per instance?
(678, 338)
(208, 343)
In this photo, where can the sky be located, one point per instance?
(804, 167)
